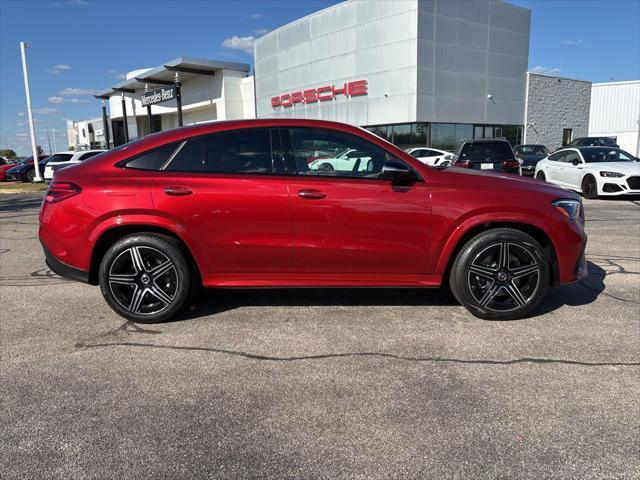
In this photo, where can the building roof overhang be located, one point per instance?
(181, 68)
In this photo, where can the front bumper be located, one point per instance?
(63, 269)
(613, 187)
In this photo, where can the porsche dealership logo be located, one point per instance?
(321, 94)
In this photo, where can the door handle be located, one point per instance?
(178, 191)
(312, 194)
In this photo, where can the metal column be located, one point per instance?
(178, 99)
(124, 120)
(105, 123)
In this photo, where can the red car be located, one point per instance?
(235, 204)
(4, 166)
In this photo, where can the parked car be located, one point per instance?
(431, 156)
(592, 171)
(348, 159)
(24, 171)
(529, 156)
(64, 159)
(235, 204)
(493, 154)
(5, 164)
(593, 142)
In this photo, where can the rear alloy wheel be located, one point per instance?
(500, 274)
(145, 278)
(589, 187)
(541, 176)
(30, 176)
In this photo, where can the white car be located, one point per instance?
(431, 156)
(592, 171)
(64, 159)
(349, 160)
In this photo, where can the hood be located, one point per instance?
(504, 181)
(628, 168)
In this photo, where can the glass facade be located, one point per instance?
(444, 136)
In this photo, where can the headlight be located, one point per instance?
(569, 208)
(611, 174)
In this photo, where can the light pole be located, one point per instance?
(34, 149)
(55, 145)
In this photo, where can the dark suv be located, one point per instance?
(593, 142)
(494, 154)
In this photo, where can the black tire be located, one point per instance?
(31, 174)
(589, 187)
(145, 278)
(493, 289)
(541, 176)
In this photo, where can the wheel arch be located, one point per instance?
(109, 236)
(537, 233)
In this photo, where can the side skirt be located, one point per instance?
(261, 280)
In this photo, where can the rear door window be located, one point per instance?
(239, 151)
(189, 157)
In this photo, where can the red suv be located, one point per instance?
(236, 204)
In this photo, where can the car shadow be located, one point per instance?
(214, 301)
(584, 292)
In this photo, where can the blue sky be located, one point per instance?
(79, 46)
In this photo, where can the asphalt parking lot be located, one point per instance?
(359, 383)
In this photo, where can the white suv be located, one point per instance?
(64, 159)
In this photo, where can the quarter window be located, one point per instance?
(329, 153)
(153, 159)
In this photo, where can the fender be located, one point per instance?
(143, 218)
(451, 239)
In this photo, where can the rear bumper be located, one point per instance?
(63, 269)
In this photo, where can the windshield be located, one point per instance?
(604, 154)
(486, 151)
(532, 150)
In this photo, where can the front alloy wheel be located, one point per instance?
(500, 274)
(589, 187)
(145, 278)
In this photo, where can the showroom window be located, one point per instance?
(446, 136)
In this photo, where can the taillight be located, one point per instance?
(463, 164)
(510, 164)
(59, 191)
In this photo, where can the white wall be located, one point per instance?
(467, 50)
(355, 40)
(615, 112)
(424, 60)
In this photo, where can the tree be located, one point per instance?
(8, 153)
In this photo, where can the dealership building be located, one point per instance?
(415, 72)
(435, 72)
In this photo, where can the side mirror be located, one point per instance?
(575, 162)
(398, 173)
